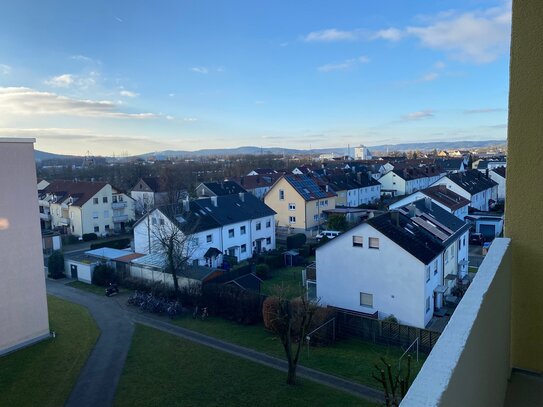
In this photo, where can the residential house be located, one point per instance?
(353, 191)
(257, 185)
(489, 164)
(207, 189)
(42, 184)
(152, 191)
(406, 180)
(300, 201)
(262, 171)
(498, 175)
(473, 185)
(237, 225)
(451, 165)
(78, 208)
(23, 303)
(80, 266)
(362, 153)
(441, 196)
(397, 263)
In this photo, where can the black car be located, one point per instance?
(476, 239)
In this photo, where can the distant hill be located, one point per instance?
(428, 146)
(252, 150)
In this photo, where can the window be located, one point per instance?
(317, 204)
(242, 230)
(358, 241)
(106, 214)
(161, 221)
(316, 218)
(95, 201)
(427, 304)
(97, 228)
(268, 240)
(366, 300)
(196, 241)
(153, 221)
(107, 228)
(114, 199)
(231, 233)
(435, 267)
(427, 273)
(292, 219)
(209, 238)
(243, 248)
(281, 195)
(121, 198)
(291, 206)
(373, 243)
(104, 199)
(258, 226)
(95, 215)
(268, 223)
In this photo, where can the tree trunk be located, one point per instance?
(291, 375)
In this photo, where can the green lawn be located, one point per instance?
(164, 370)
(473, 269)
(44, 374)
(352, 359)
(289, 277)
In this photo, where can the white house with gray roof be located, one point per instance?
(400, 263)
(235, 225)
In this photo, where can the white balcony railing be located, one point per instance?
(45, 216)
(118, 205)
(469, 365)
(64, 221)
(120, 218)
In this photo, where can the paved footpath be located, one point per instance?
(99, 378)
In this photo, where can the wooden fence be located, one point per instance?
(352, 325)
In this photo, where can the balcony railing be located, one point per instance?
(64, 221)
(120, 218)
(45, 216)
(469, 365)
(118, 205)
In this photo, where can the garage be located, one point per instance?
(488, 231)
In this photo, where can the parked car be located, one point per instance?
(476, 239)
(330, 234)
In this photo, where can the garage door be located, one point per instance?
(488, 231)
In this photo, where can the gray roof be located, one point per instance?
(307, 187)
(472, 181)
(224, 187)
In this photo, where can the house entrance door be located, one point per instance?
(73, 271)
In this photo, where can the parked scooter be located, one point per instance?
(112, 290)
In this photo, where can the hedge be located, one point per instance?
(87, 237)
(114, 244)
(103, 275)
(233, 303)
(296, 241)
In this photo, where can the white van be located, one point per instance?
(330, 234)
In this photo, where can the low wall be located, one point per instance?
(470, 363)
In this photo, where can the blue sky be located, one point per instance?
(137, 76)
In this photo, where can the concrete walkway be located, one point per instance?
(120, 319)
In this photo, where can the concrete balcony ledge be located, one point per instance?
(118, 205)
(469, 365)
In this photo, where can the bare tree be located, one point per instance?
(290, 320)
(172, 235)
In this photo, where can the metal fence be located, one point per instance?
(352, 325)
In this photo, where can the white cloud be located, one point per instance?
(61, 81)
(430, 76)
(389, 34)
(5, 69)
(345, 65)
(26, 101)
(81, 58)
(199, 69)
(440, 65)
(190, 119)
(128, 94)
(422, 114)
(484, 110)
(479, 36)
(332, 35)
(168, 117)
(171, 95)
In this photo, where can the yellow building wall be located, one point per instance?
(524, 209)
(311, 210)
(281, 206)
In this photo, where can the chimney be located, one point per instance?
(214, 201)
(395, 217)
(242, 196)
(428, 203)
(186, 205)
(326, 188)
(412, 209)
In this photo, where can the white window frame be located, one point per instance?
(231, 233)
(209, 238)
(292, 206)
(358, 241)
(281, 194)
(373, 245)
(292, 219)
(242, 230)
